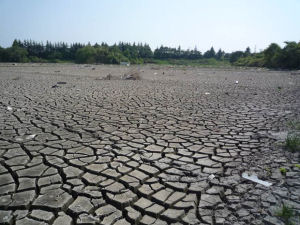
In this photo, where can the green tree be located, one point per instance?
(210, 53)
(234, 56)
(86, 55)
(290, 56)
(220, 54)
(272, 56)
(247, 52)
(2, 54)
(17, 43)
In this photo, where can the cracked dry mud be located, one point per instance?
(77, 149)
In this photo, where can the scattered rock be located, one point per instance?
(61, 82)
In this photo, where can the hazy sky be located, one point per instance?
(227, 24)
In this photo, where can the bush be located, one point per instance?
(251, 61)
(283, 170)
(35, 59)
(14, 54)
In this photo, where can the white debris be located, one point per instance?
(9, 108)
(210, 177)
(30, 136)
(236, 81)
(155, 73)
(6, 219)
(255, 179)
(207, 93)
(19, 139)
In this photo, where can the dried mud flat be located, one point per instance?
(170, 148)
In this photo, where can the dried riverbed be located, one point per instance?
(168, 148)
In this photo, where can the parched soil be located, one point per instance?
(167, 148)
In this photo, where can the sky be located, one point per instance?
(228, 24)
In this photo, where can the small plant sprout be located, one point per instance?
(283, 170)
(294, 125)
(268, 171)
(292, 142)
(286, 213)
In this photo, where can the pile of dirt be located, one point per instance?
(108, 77)
(132, 75)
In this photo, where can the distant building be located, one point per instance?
(125, 63)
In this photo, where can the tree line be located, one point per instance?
(273, 56)
(178, 53)
(32, 51)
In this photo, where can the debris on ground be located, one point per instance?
(210, 177)
(132, 75)
(236, 81)
(9, 108)
(255, 179)
(31, 136)
(28, 137)
(207, 93)
(107, 77)
(61, 82)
